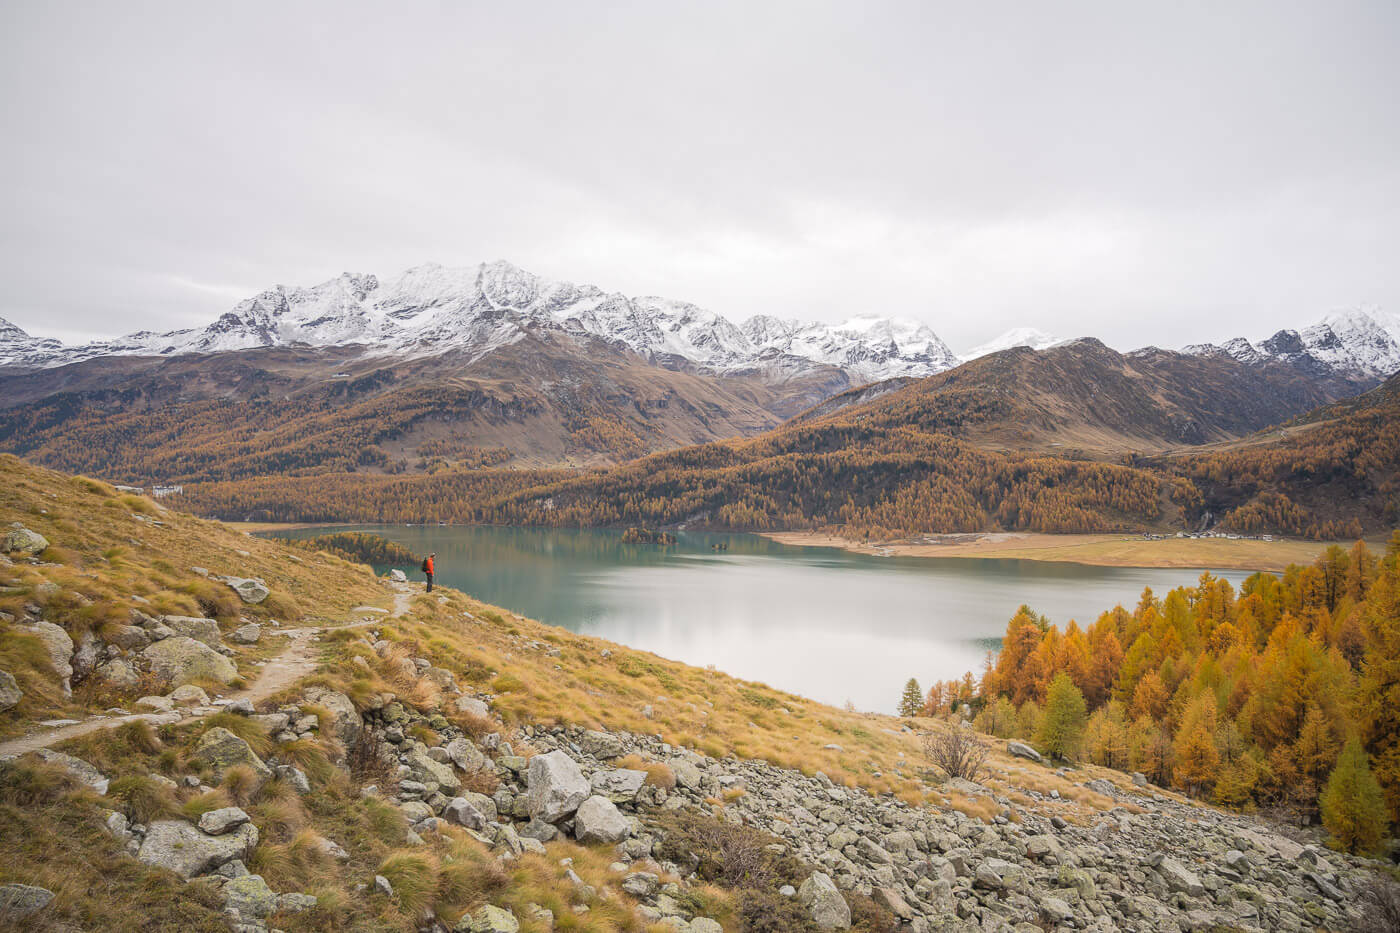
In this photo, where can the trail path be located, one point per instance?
(297, 660)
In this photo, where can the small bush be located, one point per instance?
(957, 750)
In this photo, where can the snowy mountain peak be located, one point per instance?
(432, 308)
(1362, 343)
(1016, 337)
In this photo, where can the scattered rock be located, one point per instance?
(598, 820)
(250, 896)
(189, 695)
(10, 694)
(556, 787)
(472, 706)
(1022, 750)
(246, 634)
(382, 886)
(180, 659)
(346, 723)
(119, 672)
(250, 590)
(824, 903)
(155, 704)
(23, 542)
(80, 769)
(398, 576)
(60, 649)
(223, 820)
(185, 850)
(295, 903)
(18, 901)
(220, 749)
(205, 631)
(601, 745)
(490, 919)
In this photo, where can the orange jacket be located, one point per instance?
(430, 565)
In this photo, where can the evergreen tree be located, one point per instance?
(1063, 721)
(912, 702)
(1353, 809)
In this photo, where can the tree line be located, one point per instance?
(1283, 694)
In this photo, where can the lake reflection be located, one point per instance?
(820, 622)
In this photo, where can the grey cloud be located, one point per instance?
(1148, 174)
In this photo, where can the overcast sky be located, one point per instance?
(1148, 173)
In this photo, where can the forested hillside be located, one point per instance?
(893, 466)
(1247, 698)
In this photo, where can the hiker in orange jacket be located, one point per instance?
(428, 569)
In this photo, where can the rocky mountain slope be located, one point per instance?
(445, 765)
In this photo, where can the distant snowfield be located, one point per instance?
(432, 309)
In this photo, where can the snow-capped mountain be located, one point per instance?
(1363, 343)
(1016, 337)
(431, 309)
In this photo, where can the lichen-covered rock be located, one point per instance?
(489, 919)
(182, 848)
(466, 755)
(223, 820)
(246, 634)
(620, 785)
(419, 760)
(10, 693)
(824, 903)
(18, 901)
(205, 631)
(221, 750)
(250, 896)
(155, 704)
(346, 721)
(598, 820)
(601, 745)
(80, 769)
(60, 650)
(180, 659)
(119, 673)
(556, 787)
(463, 812)
(472, 706)
(295, 903)
(189, 695)
(20, 540)
(250, 590)
(1022, 750)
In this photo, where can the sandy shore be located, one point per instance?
(1099, 550)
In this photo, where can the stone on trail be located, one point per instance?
(10, 694)
(20, 900)
(189, 695)
(221, 750)
(180, 659)
(22, 541)
(1022, 750)
(182, 848)
(557, 787)
(155, 704)
(398, 576)
(824, 903)
(598, 820)
(246, 634)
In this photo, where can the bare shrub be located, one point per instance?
(957, 750)
(370, 764)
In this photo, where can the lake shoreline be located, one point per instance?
(1096, 550)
